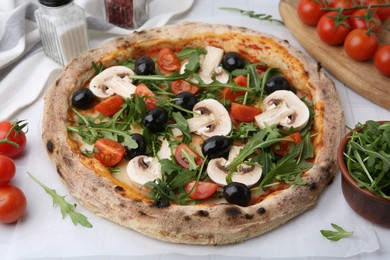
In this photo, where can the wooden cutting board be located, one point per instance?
(362, 77)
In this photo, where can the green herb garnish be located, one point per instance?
(252, 14)
(340, 233)
(66, 208)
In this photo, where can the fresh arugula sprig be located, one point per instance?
(367, 156)
(340, 233)
(66, 208)
(252, 14)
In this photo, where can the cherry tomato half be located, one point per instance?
(310, 11)
(143, 91)
(327, 30)
(180, 86)
(12, 204)
(202, 190)
(244, 113)
(358, 20)
(109, 152)
(359, 45)
(167, 60)
(182, 161)
(228, 94)
(7, 170)
(283, 147)
(110, 105)
(16, 138)
(382, 59)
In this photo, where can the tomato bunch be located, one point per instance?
(353, 24)
(12, 143)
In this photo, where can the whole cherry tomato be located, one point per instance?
(12, 204)
(364, 19)
(342, 4)
(12, 138)
(359, 45)
(382, 59)
(310, 11)
(382, 12)
(7, 170)
(333, 28)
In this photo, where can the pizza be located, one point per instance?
(194, 133)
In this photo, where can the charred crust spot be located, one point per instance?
(119, 189)
(94, 189)
(59, 172)
(233, 211)
(319, 66)
(142, 213)
(313, 186)
(160, 203)
(202, 213)
(248, 216)
(261, 211)
(187, 218)
(58, 81)
(122, 205)
(50, 146)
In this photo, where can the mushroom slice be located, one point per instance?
(113, 80)
(209, 66)
(211, 118)
(142, 169)
(165, 151)
(283, 108)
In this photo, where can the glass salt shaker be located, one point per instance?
(129, 14)
(63, 29)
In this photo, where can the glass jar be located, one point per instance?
(129, 14)
(63, 29)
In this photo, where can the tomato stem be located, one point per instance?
(327, 8)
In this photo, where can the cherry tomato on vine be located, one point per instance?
(382, 12)
(167, 60)
(7, 170)
(382, 59)
(202, 190)
(359, 45)
(243, 113)
(12, 138)
(109, 152)
(12, 204)
(333, 28)
(358, 20)
(182, 160)
(180, 86)
(110, 105)
(283, 147)
(342, 4)
(310, 11)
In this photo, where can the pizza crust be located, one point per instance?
(92, 185)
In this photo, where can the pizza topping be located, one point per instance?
(144, 66)
(186, 100)
(143, 169)
(210, 66)
(277, 83)
(83, 98)
(139, 150)
(108, 152)
(237, 193)
(156, 119)
(113, 80)
(232, 61)
(216, 146)
(283, 108)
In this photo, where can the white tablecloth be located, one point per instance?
(43, 234)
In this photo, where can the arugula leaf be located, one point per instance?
(340, 233)
(182, 125)
(66, 208)
(252, 14)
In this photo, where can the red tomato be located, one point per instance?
(12, 204)
(110, 105)
(109, 152)
(359, 45)
(310, 12)
(228, 94)
(358, 20)
(329, 32)
(7, 170)
(143, 91)
(12, 138)
(283, 147)
(342, 4)
(202, 190)
(167, 60)
(180, 86)
(382, 59)
(244, 113)
(382, 12)
(182, 161)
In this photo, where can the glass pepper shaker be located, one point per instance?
(63, 29)
(129, 14)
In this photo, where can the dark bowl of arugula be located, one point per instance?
(363, 157)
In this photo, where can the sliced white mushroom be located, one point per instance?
(165, 151)
(142, 169)
(210, 66)
(248, 174)
(113, 80)
(283, 108)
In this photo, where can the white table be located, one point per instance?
(356, 108)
